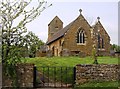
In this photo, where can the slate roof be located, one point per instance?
(59, 34)
(62, 31)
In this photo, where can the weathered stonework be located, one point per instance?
(84, 73)
(95, 37)
(57, 47)
(55, 24)
(24, 76)
(102, 72)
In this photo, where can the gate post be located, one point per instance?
(74, 76)
(34, 76)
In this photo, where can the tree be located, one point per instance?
(32, 43)
(0, 46)
(14, 16)
(94, 55)
(115, 47)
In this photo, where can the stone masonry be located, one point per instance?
(24, 76)
(79, 37)
(84, 73)
(102, 72)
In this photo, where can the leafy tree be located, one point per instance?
(32, 43)
(116, 47)
(14, 15)
(94, 56)
(0, 45)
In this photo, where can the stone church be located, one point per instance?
(77, 38)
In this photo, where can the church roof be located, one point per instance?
(59, 34)
(55, 18)
(98, 22)
(62, 31)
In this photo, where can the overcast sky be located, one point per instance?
(69, 11)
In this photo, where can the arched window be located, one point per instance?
(81, 36)
(100, 42)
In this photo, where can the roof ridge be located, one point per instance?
(54, 18)
(60, 33)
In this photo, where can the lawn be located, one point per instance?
(68, 61)
(101, 85)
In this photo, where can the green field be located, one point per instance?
(103, 85)
(68, 61)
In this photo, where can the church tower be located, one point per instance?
(55, 25)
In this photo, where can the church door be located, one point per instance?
(53, 51)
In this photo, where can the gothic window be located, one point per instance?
(81, 36)
(100, 42)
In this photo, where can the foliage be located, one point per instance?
(116, 47)
(32, 43)
(94, 56)
(14, 16)
(103, 85)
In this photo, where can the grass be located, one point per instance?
(68, 61)
(104, 85)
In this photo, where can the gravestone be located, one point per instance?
(49, 53)
(65, 52)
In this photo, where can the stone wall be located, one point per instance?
(85, 73)
(24, 76)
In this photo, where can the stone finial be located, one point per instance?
(98, 18)
(80, 11)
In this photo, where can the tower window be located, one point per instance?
(56, 21)
(56, 27)
(56, 24)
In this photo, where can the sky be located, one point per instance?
(68, 11)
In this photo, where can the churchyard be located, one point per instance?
(69, 61)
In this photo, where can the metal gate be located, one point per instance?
(54, 77)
